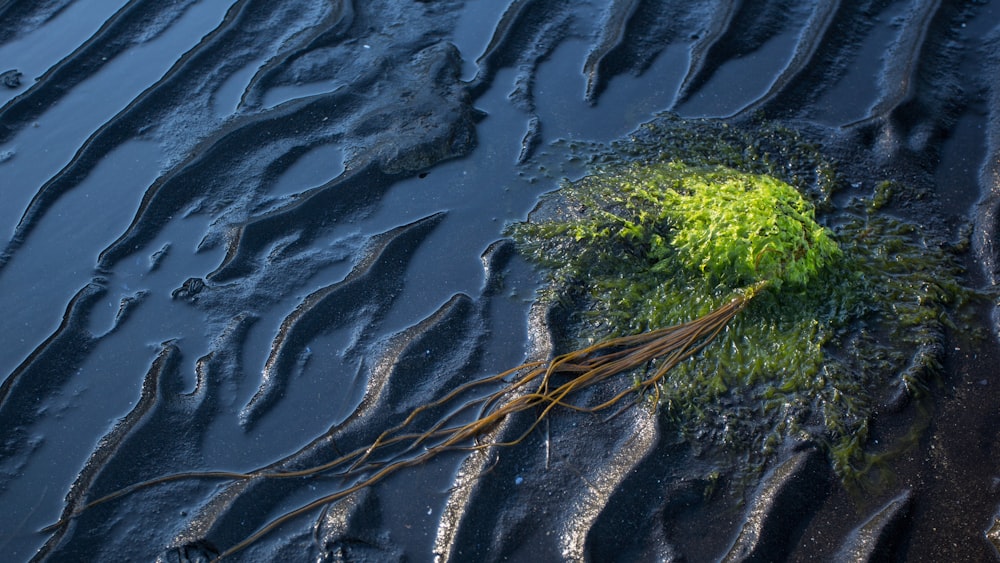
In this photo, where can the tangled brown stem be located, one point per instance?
(584, 368)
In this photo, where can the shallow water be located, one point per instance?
(331, 175)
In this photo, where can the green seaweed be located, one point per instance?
(659, 236)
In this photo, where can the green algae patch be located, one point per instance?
(731, 227)
(840, 314)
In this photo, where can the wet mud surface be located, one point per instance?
(243, 235)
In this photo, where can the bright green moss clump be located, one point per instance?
(733, 228)
(666, 243)
(846, 312)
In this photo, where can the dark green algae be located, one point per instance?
(811, 360)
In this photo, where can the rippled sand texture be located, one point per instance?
(256, 234)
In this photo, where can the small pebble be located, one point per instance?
(11, 78)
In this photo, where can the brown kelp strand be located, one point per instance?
(539, 386)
